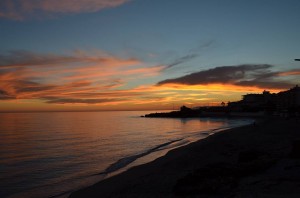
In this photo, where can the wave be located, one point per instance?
(121, 163)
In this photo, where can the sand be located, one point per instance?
(261, 160)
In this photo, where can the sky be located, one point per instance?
(86, 55)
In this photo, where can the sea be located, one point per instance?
(51, 154)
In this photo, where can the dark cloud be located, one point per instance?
(23, 89)
(243, 75)
(23, 86)
(38, 88)
(223, 74)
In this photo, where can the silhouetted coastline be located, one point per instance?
(204, 112)
(184, 112)
(259, 160)
(282, 104)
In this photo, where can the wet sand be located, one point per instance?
(261, 160)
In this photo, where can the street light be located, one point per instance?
(297, 59)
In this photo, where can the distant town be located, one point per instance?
(285, 103)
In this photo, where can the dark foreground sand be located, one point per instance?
(250, 161)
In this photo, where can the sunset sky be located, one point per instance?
(66, 55)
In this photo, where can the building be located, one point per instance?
(288, 100)
(283, 101)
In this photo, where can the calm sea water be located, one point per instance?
(53, 154)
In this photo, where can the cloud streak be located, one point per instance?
(181, 60)
(80, 77)
(20, 9)
(294, 72)
(82, 101)
(193, 53)
(20, 58)
(97, 79)
(256, 75)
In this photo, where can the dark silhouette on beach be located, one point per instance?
(284, 104)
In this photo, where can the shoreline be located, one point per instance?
(134, 160)
(247, 152)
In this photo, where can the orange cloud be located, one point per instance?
(79, 78)
(95, 72)
(219, 87)
(20, 9)
(295, 72)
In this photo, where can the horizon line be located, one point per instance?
(66, 111)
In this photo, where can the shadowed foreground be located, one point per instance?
(261, 160)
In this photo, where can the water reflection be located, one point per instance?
(61, 150)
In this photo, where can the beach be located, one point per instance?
(257, 160)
